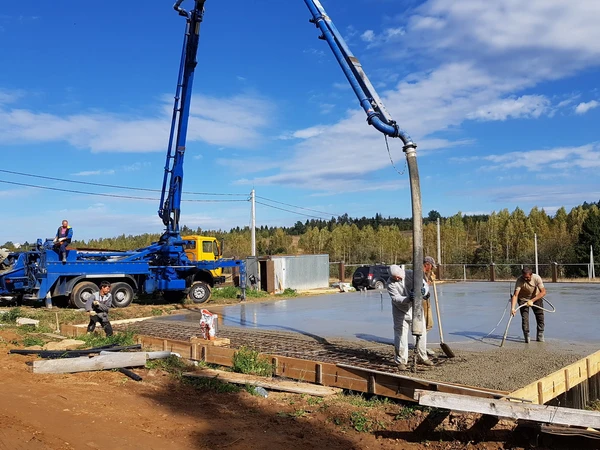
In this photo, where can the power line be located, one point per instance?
(89, 183)
(131, 197)
(290, 211)
(299, 207)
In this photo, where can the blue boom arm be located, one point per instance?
(378, 116)
(170, 200)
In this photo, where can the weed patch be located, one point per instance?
(11, 315)
(98, 340)
(173, 364)
(288, 292)
(211, 384)
(231, 292)
(30, 341)
(249, 361)
(360, 422)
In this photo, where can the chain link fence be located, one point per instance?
(487, 272)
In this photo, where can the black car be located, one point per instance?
(371, 277)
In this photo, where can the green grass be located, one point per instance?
(211, 384)
(288, 292)
(360, 400)
(100, 340)
(231, 292)
(30, 341)
(249, 361)
(360, 422)
(11, 315)
(173, 364)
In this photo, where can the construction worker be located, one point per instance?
(400, 289)
(63, 237)
(529, 291)
(98, 305)
(429, 275)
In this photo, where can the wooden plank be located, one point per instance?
(267, 383)
(86, 364)
(502, 408)
(418, 382)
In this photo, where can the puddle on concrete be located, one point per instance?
(470, 311)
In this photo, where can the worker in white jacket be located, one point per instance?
(400, 289)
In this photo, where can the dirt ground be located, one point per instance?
(110, 411)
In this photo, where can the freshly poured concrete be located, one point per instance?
(470, 311)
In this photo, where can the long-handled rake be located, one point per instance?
(445, 348)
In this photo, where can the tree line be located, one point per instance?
(501, 237)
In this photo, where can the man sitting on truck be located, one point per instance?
(97, 305)
(63, 237)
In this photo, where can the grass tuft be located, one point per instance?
(99, 340)
(249, 361)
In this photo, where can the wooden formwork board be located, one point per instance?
(351, 378)
(560, 382)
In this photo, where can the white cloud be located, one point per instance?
(368, 36)
(561, 158)
(236, 121)
(526, 106)
(583, 107)
(87, 173)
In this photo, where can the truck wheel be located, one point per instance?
(80, 293)
(199, 292)
(122, 294)
(379, 285)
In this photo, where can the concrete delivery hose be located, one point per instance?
(533, 305)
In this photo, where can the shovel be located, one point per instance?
(445, 348)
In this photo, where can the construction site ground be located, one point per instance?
(108, 410)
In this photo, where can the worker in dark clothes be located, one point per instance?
(529, 291)
(98, 305)
(63, 237)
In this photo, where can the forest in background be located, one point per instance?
(502, 237)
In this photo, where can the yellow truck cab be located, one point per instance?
(204, 248)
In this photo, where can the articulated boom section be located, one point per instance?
(377, 114)
(170, 201)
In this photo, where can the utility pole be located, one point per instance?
(253, 224)
(536, 255)
(439, 247)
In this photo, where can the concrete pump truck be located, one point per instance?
(164, 265)
(171, 265)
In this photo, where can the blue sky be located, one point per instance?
(501, 98)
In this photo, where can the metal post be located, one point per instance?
(554, 272)
(492, 272)
(439, 247)
(253, 224)
(464, 272)
(536, 253)
(342, 268)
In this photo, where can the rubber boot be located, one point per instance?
(526, 336)
(540, 336)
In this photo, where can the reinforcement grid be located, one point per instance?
(369, 355)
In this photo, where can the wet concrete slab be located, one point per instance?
(474, 315)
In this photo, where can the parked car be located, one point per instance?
(371, 277)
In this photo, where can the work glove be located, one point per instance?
(529, 302)
(92, 313)
(96, 302)
(432, 276)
